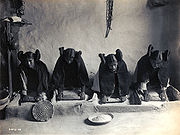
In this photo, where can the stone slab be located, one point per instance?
(80, 107)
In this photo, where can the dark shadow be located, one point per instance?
(3, 114)
(165, 35)
(110, 102)
(69, 99)
(30, 116)
(115, 101)
(170, 40)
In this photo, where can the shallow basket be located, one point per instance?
(42, 111)
(107, 118)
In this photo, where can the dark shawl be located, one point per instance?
(110, 80)
(34, 79)
(157, 76)
(77, 69)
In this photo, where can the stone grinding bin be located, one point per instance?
(4, 101)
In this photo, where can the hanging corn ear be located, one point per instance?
(109, 10)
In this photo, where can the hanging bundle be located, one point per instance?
(109, 10)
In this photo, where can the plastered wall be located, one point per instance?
(80, 24)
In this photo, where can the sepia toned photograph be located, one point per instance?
(89, 67)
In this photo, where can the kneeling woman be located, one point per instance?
(33, 77)
(112, 77)
(69, 73)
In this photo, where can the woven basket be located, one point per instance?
(42, 111)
